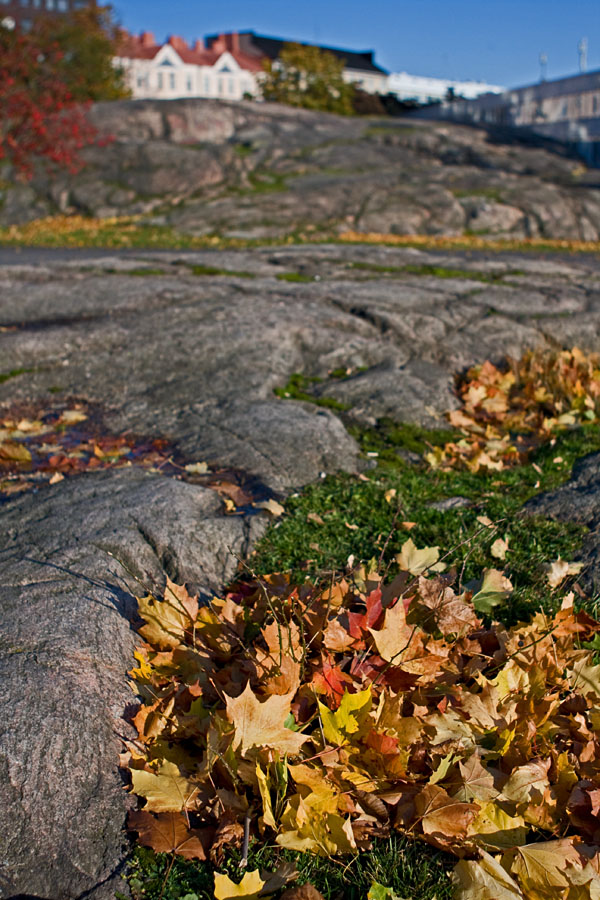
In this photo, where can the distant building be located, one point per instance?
(24, 12)
(225, 66)
(176, 69)
(566, 110)
(360, 67)
(423, 90)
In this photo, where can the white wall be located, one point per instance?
(424, 89)
(371, 82)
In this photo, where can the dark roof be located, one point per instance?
(271, 47)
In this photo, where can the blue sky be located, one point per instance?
(498, 41)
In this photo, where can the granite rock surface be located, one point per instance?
(262, 170)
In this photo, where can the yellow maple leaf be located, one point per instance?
(262, 724)
(143, 673)
(165, 790)
(540, 868)
(312, 824)
(264, 787)
(417, 561)
(348, 719)
(585, 680)
(494, 829)
(249, 887)
(167, 620)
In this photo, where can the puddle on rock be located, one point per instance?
(43, 444)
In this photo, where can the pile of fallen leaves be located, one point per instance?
(321, 717)
(509, 410)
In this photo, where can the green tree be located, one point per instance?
(308, 77)
(88, 41)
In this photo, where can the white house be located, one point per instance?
(422, 89)
(175, 69)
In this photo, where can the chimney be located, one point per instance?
(178, 43)
(220, 44)
(199, 45)
(123, 37)
(147, 39)
(235, 42)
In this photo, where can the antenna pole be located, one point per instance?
(543, 66)
(582, 49)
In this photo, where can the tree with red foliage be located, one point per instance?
(40, 119)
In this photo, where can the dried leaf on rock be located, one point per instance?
(271, 506)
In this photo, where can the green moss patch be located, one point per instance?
(202, 270)
(294, 276)
(14, 373)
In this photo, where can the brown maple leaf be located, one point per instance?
(170, 833)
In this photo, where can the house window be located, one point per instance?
(220, 86)
(172, 80)
(140, 81)
(231, 85)
(207, 85)
(189, 84)
(62, 5)
(160, 81)
(50, 4)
